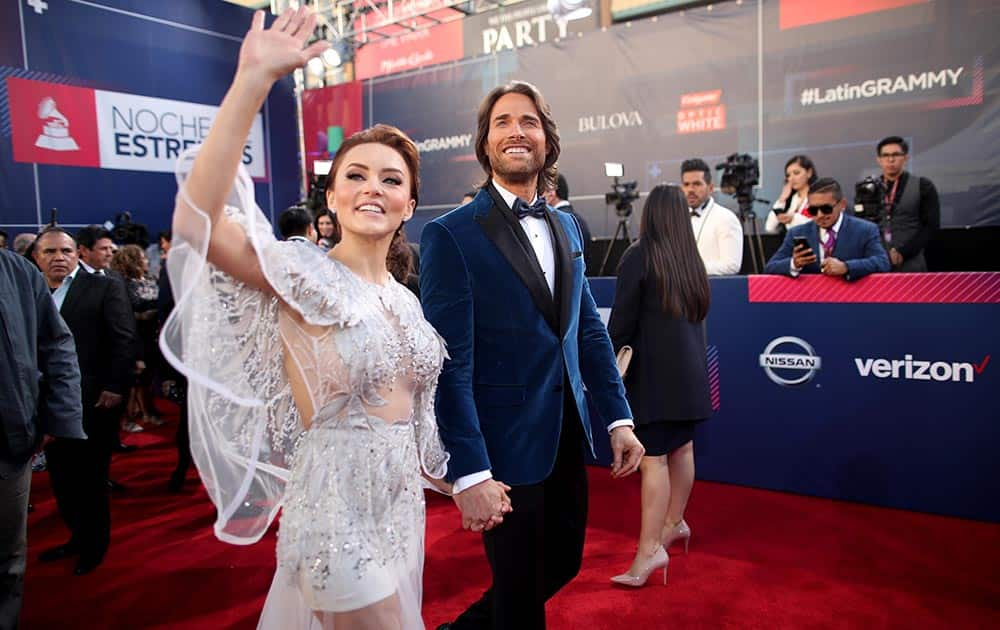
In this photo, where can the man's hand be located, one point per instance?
(784, 217)
(626, 450)
(803, 255)
(834, 267)
(483, 505)
(895, 257)
(108, 400)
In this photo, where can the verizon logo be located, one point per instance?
(911, 369)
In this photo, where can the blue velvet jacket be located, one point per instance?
(513, 346)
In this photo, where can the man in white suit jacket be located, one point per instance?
(716, 228)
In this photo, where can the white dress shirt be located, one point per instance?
(540, 237)
(59, 295)
(719, 235)
(822, 237)
(90, 269)
(796, 208)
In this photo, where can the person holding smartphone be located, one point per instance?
(792, 206)
(834, 243)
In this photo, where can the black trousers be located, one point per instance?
(79, 473)
(539, 547)
(13, 543)
(182, 440)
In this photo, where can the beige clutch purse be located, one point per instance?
(623, 359)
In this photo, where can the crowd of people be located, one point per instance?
(811, 211)
(335, 373)
(81, 354)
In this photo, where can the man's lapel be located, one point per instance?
(841, 233)
(563, 271)
(76, 290)
(506, 233)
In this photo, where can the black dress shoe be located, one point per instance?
(116, 487)
(444, 626)
(86, 564)
(121, 447)
(58, 553)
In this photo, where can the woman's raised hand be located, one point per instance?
(267, 54)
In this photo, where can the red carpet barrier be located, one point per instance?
(882, 391)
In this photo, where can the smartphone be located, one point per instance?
(800, 240)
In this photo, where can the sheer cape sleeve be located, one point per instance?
(223, 337)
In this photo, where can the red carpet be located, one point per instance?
(758, 560)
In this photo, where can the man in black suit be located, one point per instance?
(97, 312)
(95, 248)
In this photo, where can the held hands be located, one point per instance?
(483, 505)
(626, 451)
(833, 267)
(269, 54)
(802, 255)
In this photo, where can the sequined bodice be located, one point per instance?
(382, 353)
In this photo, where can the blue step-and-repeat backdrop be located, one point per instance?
(883, 391)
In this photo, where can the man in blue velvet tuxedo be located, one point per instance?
(837, 244)
(502, 281)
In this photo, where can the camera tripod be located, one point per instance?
(623, 215)
(749, 220)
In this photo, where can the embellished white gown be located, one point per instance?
(360, 363)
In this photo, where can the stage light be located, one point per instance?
(322, 167)
(315, 67)
(331, 57)
(569, 10)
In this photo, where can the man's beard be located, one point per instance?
(517, 175)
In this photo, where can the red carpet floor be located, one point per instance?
(758, 560)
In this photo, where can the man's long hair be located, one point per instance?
(547, 177)
(672, 260)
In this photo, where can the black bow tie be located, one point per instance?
(536, 209)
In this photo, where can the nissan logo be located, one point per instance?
(789, 361)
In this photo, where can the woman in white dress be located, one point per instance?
(792, 207)
(311, 375)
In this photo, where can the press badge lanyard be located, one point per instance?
(889, 202)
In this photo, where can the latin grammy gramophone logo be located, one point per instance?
(55, 131)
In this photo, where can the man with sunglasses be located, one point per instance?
(834, 244)
(912, 208)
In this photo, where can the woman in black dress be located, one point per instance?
(661, 301)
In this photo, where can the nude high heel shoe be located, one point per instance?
(677, 532)
(659, 560)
